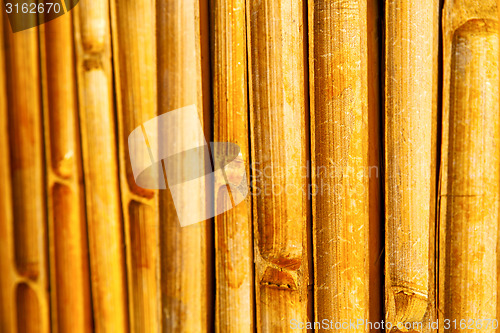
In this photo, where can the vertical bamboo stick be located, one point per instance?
(233, 229)
(182, 79)
(7, 260)
(66, 218)
(409, 86)
(339, 149)
(134, 46)
(278, 127)
(432, 305)
(27, 175)
(470, 173)
(93, 63)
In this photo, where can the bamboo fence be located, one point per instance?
(363, 195)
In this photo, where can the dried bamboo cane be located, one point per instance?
(27, 176)
(66, 218)
(470, 166)
(339, 150)
(233, 229)
(134, 46)
(432, 306)
(7, 259)
(182, 81)
(431, 313)
(277, 68)
(94, 74)
(409, 115)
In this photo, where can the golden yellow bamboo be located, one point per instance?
(339, 150)
(27, 176)
(95, 96)
(233, 229)
(277, 70)
(470, 165)
(7, 260)
(69, 276)
(24, 107)
(409, 106)
(29, 306)
(134, 46)
(431, 315)
(182, 81)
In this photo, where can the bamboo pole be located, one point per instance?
(69, 276)
(432, 305)
(233, 229)
(431, 313)
(339, 150)
(277, 71)
(470, 171)
(95, 87)
(27, 175)
(134, 45)
(409, 115)
(183, 80)
(7, 259)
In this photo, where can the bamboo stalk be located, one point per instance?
(66, 218)
(339, 135)
(409, 109)
(28, 306)
(278, 128)
(95, 87)
(233, 229)
(431, 315)
(7, 260)
(27, 175)
(134, 44)
(182, 81)
(470, 171)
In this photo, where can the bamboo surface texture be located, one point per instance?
(409, 68)
(307, 166)
(277, 70)
(185, 251)
(134, 40)
(70, 300)
(470, 167)
(100, 166)
(339, 115)
(27, 176)
(7, 262)
(233, 229)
